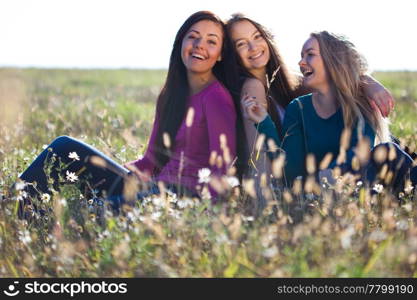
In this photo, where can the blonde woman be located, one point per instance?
(333, 69)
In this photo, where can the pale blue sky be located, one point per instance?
(139, 34)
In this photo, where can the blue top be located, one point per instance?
(317, 136)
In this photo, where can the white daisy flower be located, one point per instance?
(408, 189)
(183, 203)
(45, 198)
(25, 237)
(73, 156)
(233, 181)
(378, 188)
(204, 175)
(71, 177)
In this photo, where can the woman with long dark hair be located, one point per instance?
(196, 125)
(195, 86)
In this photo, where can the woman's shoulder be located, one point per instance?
(216, 92)
(300, 102)
(251, 83)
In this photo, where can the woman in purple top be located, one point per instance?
(211, 115)
(196, 124)
(195, 115)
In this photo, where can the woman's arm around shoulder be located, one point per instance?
(378, 96)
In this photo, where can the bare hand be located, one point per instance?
(142, 176)
(379, 97)
(253, 110)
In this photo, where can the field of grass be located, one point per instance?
(340, 231)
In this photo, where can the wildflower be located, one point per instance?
(359, 183)
(185, 203)
(174, 213)
(25, 237)
(248, 218)
(71, 176)
(378, 188)
(63, 202)
(269, 82)
(172, 196)
(45, 198)
(73, 156)
(408, 189)
(270, 252)
(130, 216)
(190, 117)
(20, 185)
(378, 236)
(158, 202)
(22, 195)
(408, 207)
(156, 215)
(90, 201)
(233, 181)
(402, 225)
(346, 237)
(204, 175)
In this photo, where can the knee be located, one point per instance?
(62, 143)
(61, 140)
(391, 152)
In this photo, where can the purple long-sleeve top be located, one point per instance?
(214, 115)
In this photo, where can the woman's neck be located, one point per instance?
(198, 82)
(325, 102)
(260, 74)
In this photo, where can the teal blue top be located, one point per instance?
(318, 136)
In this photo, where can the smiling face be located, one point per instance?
(251, 47)
(312, 66)
(201, 47)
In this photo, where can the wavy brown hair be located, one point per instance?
(345, 67)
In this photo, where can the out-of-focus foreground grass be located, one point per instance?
(342, 230)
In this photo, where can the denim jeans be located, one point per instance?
(400, 166)
(108, 176)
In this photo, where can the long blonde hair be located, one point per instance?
(345, 67)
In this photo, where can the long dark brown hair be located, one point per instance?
(285, 86)
(172, 101)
